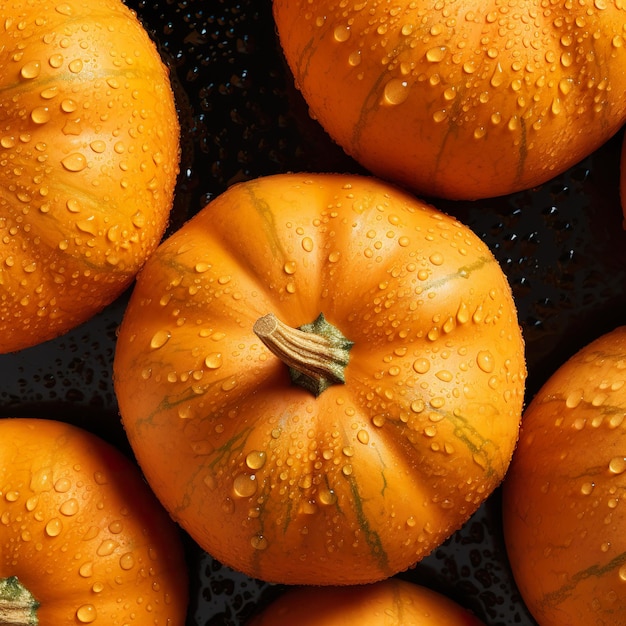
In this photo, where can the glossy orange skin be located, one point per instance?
(564, 516)
(392, 602)
(82, 531)
(460, 98)
(88, 161)
(367, 478)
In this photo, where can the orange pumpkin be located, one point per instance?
(88, 161)
(407, 364)
(564, 516)
(84, 540)
(392, 602)
(460, 99)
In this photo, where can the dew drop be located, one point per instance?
(327, 497)
(244, 485)
(259, 542)
(31, 70)
(421, 365)
(214, 360)
(127, 561)
(396, 91)
(436, 54)
(69, 507)
(622, 572)
(485, 361)
(617, 465)
(75, 162)
(75, 66)
(289, 267)
(574, 398)
(40, 115)
(256, 459)
(341, 33)
(54, 527)
(586, 488)
(160, 338)
(86, 613)
(86, 569)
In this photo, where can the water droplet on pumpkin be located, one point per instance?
(421, 365)
(436, 54)
(256, 459)
(54, 527)
(289, 267)
(69, 507)
(587, 488)
(214, 360)
(244, 485)
(396, 91)
(86, 569)
(127, 561)
(259, 542)
(75, 66)
(86, 613)
(327, 497)
(617, 465)
(485, 361)
(106, 548)
(75, 162)
(341, 33)
(31, 70)
(160, 338)
(40, 115)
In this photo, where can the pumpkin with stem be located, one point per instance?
(321, 377)
(84, 540)
(89, 149)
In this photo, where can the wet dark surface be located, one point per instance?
(562, 247)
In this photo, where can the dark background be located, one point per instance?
(562, 247)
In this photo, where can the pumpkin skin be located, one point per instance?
(460, 99)
(89, 159)
(564, 519)
(365, 479)
(391, 602)
(622, 178)
(82, 531)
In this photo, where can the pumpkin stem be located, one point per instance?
(317, 354)
(18, 607)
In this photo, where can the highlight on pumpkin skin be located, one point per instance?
(370, 474)
(89, 125)
(392, 602)
(460, 100)
(84, 540)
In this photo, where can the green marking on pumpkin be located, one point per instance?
(556, 597)
(18, 606)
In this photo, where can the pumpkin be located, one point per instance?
(84, 540)
(460, 99)
(391, 602)
(564, 517)
(321, 377)
(88, 161)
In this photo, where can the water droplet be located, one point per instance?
(485, 361)
(421, 365)
(69, 507)
(436, 54)
(106, 548)
(327, 497)
(259, 542)
(40, 115)
(54, 527)
(622, 572)
(363, 436)
(587, 488)
(75, 66)
(341, 33)
(214, 360)
(127, 561)
(396, 91)
(256, 459)
(86, 613)
(617, 465)
(289, 267)
(244, 485)
(75, 162)
(31, 70)
(160, 338)
(86, 569)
